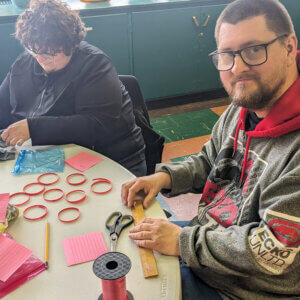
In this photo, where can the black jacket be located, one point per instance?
(84, 103)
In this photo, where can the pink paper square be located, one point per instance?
(12, 256)
(4, 198)
(83, 248)
(83, 161)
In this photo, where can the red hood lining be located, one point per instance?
(283, 118)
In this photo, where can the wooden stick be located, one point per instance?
(147, 257)
(47, 246)
(93, 0)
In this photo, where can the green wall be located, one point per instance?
(158, 42)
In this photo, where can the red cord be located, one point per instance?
(114, 289)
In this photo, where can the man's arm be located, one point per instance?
(176, 178)
(270, 246)
(191, 174)
(173, 178)
(260, 255)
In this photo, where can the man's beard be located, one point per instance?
(261, 97)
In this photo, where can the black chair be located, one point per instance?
(153, 141)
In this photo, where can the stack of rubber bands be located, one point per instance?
(43, 183)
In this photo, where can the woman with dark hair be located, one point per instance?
(63, 90)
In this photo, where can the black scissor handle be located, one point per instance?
(112, 228)
(121, 224)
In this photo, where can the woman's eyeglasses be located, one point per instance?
(43, 55)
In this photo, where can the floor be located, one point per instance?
(186, 128)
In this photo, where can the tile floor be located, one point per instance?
(185, 134)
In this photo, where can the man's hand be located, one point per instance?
(151, 185)
(157, 234)
(16, 134)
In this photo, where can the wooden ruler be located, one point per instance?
(93, 0)
(147, 257)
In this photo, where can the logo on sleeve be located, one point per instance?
(275, 246)
(286, 232)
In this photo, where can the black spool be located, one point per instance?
(112, 266)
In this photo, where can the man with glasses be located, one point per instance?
(63, 90)
(245, 241)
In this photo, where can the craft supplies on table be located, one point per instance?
(77, 281)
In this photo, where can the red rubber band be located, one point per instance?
(65, 209)
(21, 193)
(53, 200)
(38, 218)
(30, 184)
(76, 201)
(101, 180)
(76, 183)
(48, 183)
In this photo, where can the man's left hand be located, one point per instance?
(157, 234)
(16, 133)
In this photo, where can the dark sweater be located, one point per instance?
(84, 103)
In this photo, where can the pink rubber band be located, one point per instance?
(33, 183)
(53, 200)
(101, 180)
(65, 209)
(48, 183)
(76, 183)
(76, 201)
(38, 218)
(20, 193)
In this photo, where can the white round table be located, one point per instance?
(61, 282)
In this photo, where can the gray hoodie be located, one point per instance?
(245, 240)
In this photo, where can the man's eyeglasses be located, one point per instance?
(251, 56)
(44, 56)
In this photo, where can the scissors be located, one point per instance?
(119, 222)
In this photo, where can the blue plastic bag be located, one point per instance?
(40, 161)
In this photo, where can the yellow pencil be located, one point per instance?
(47, 246)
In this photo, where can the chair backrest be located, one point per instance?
(153, 141)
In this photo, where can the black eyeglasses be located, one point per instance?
(43, 55)
(252, 56)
